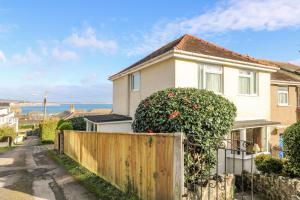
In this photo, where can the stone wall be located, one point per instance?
(213, 190)
(274, 187)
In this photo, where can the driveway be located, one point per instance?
(27, 172)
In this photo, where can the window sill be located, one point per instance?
(136, 90)
(246, 157)
(284, 105)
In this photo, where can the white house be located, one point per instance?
(192, 62)
(7, 117)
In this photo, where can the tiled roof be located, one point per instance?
(194, 44)
(287, 72)
(283, 65)
(281, 75)
(107, 118)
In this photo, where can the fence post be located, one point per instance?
(61, 142)
(178, 167)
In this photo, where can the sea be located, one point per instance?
(54, 109)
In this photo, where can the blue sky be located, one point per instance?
(69, 48)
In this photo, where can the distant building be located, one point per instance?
(7, 117)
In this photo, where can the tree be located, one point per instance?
(202, 115)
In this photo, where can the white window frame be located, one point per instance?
(283, 92)
(251, 73)
(203, 70)
(298, 97)
(134, 87)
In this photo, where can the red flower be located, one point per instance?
(171, 94)
(150, 131)
(196, 106)
(174, 114)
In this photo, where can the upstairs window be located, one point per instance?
(135, 81)
(298, 95)
(210, 78)
(247, 82)
(283, 95)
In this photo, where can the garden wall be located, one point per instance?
(150, 165)
(275, 187)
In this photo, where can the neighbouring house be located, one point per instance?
(192, 62)
(285, 101)
(7, 117)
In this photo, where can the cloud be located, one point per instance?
(90, 79)
(59, 93)
(2, 57)
(88, 39)
(296, 62)
(29, 57)
(63, 55)
(234, 15)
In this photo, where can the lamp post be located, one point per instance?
(45, 105)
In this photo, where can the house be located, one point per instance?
(285, 101)
(192, 62)
(7, 117)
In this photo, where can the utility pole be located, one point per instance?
(45, 105)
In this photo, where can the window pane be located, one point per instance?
(283, 89)
(214, 69)
(136, 81)
(214, 82)
(244, 85)
(235, 142)
(256, 136)
(282, 98)
(200, 77)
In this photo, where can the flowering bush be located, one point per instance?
(192, 111)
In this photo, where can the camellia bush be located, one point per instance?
(291, 147)
(202, 115)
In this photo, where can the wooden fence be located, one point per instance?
(150, 165)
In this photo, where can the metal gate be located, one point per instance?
(216, 169)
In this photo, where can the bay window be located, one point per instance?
(210, 78)
(283, 95)
(247, 82)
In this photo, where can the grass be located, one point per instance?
(4, 149)
(92, 182)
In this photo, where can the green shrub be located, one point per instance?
(66, 125)
(78, 123)
(26, 126)
(7, 131)
(202, 115)
(291, 147)
(267, 164)
(48, 130)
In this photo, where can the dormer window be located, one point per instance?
(135, 81)
(247, 82)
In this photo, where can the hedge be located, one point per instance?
(48, 130)
(7, 131)
(202, 115)
(267, 164)
(291, 147)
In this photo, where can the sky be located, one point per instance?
(69, 48)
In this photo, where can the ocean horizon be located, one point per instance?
(53, 109)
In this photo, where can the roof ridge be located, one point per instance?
(186, 36)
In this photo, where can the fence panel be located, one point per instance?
(151, 165)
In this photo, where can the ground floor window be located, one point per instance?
(249, 140)
(235, 142)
